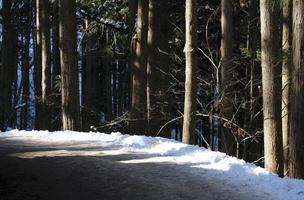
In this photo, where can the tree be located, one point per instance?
(8, 66)
(157, 66)
(68, 63)
(26, 34)
(139, 71)
(43, 65)
(270, 19)
(286, 75)
(296, 137)
(227, 139)
(191, 72)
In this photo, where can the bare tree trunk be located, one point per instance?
(85, 111)
(69, 69)
(139, 71)
(157, 65)
(131, 59)
(56, 67)
(55, 50)
(38, 70)
(43, 63)
(227, 139)
(286, 75)
(191, 72)
(26, 67)
(270, 18)
(296, 137)
(7, 68)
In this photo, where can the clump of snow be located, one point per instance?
(243, 176)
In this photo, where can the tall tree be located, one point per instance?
(286, 75)
(26, 65)
(191, 72)
(296, 138)
(157, 65)
(68, 63)
(270, 27)
(139, 71)
(227, 139)
(7, 69)
(43, 119)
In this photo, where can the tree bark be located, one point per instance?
(139, 71)
(26, 67)
(7, 69)
(227, 139)
(270, 18)
(68, 62)
(191, 72)
(296, 138)
(157, 65)
(43, 63)
(286, 75)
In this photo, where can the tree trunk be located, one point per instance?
(191, 72)
(55, 50)
(139, 71)
(68, 62)
(296, 138)
(157, 65)
(131, 59)
(286, 75)
(43, 63)
(227, 138)
(7, 68)
(56, 100)
(270, 28)
(26, 67)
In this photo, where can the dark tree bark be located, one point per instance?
(8, 66)
(296, 137)
(139, 71)
(56, 98)
(191, 72)
(68, 62)
(270, 29)
(157, 66)
(227, 111)
(26, 67)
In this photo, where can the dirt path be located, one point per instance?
(86, 171)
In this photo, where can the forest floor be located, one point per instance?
(34, 168)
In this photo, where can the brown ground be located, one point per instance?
(35, 171)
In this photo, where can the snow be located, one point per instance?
(241, 175)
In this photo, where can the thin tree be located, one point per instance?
(227, 138)
(26, 65)
(270, 27)
(296, 137)
(68, 62)
(191, 72)
(139, 70)
(286, 75)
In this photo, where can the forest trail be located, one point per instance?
(32, 170)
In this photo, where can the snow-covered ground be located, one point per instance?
(243, 176)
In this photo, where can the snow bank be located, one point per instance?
(243, 176)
